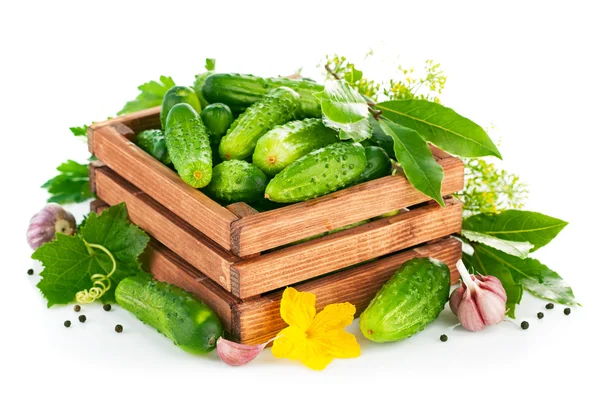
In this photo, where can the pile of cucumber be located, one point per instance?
(277, 148)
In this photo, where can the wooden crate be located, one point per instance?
(245, 258)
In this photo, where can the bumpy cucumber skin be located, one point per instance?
(409, 301)
(279, 106)
(378, 165)
(175, 95)
(153, 142)
(217, 118)
(320, 172)
(284, 144)
(235, 181)
(188, 144)
(177, 314)
(239, 91)
(198, 84)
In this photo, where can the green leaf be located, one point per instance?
(536, 277)
(441, 126)
(344, 109)
(79, 130)
(353, 75)
(72, 185)
(210, 64)
(416, 159)
(69, 263)
(520, 249)
(151, 94)
(514, 291)
(516, 225)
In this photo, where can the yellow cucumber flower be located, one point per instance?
(314, 339)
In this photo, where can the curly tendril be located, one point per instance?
(100, 281)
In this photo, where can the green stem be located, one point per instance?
(107, 252)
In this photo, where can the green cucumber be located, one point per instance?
(188, 322)
(320, 172)
(198, 84)
(412, 298)
(279, 106)
(175, 95)
(153, 142)
(235, 181)
(240, 91)
(378, 165)
(188, 145)
(284, 144)
(217, 118)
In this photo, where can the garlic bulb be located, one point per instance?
(480, 301)
(44, 225)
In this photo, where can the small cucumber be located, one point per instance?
(198, 84)
(279, 106)
(412, 298)
(175, 95)
(284, 144)
(217, 118)
(378, 165)
(153, 142)
(240, 91)
(237, 180)
(320, 172)
(188, 145)
(188, 322)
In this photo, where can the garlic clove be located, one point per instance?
(493, 284)
(44, 226)
(455, 298)
(236, 354)
(468, 314)
(492, 307)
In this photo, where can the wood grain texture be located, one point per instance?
(137, 121)
(259, 320)
(282, 226)
(166, 227)
(350, 247)
(163, 184)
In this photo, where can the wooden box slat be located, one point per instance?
(258, 274)
(162, 184)
(256, 320)
(350, 247)
(367, 200)
(166, 227)
(254, 233)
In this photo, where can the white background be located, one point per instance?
(530, 68)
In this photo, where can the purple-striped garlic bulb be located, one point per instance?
(44, 225)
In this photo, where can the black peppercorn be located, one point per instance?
(106, 307)
(524, 325)
(443, 338)
(567, 311)
(540, 315)
(30, 272)
(67, 323)
(77, 308)
(119, 328)
(550, 306)
(82, 318)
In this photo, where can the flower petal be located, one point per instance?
(333, 317)
(315, 357)
(337, 343)
(298, 308)
(289, 343)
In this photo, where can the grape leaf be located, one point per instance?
(441, 126)
(416, 159)
(72, 185)
(514, 291)
(520, 249)
(151, 94)
(69, 263)
(344, 109)
(536, 277)
(516, 225)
